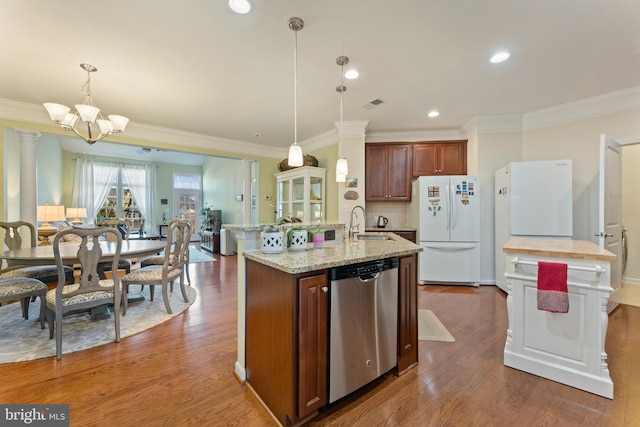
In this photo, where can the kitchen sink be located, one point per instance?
(372, 236)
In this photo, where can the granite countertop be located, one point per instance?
(240, 227)
(352, 251)
(560, 248)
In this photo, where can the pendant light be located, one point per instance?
(295, 151)
(342, 167)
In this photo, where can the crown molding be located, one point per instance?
(599, 105)
(494, 124)
(415, 136)
(30, 113)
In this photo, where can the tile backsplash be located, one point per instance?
(396, 212)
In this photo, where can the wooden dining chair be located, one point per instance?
(173, 265)
(24, 289)
(123, 229)
(14, 240)
(90, 291)
(159, 259)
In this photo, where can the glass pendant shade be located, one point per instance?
(342, 167)
(105, 126)
(295, 155)
(341, 178)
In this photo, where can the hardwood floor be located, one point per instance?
(180, 373)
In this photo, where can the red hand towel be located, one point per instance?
(553, 294)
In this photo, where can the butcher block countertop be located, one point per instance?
(560, 248)
(352, 251)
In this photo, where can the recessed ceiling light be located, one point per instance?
(499, 57)
(433, 113)
(351, 74)
(240, 6)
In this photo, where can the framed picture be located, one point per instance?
(351, 183)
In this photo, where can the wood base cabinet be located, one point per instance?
(287, 335)
(407, 314)
(286, 340)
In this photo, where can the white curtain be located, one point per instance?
(104, 177)
(82, 193)
(141, 183)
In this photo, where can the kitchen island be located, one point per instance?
(287, 320)
(565, 347)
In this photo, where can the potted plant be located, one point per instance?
(297, 238)
(210, 218)
(272, 238)
(317, 234)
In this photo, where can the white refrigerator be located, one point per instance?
(532, 199)
(446, 213)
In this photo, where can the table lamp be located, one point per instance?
(46, 214)
(76, 214)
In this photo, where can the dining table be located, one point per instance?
(43, 255)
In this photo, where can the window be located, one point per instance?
(187, 203)
(125, 185)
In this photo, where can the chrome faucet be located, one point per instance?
(355, 229)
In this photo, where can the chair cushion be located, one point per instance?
(155, 260)
(20, 287)
(35, 272)
(150, 273)
(81, 298)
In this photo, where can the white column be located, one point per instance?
(353, 150)
(28, 176)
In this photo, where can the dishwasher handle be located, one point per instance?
(369, 277)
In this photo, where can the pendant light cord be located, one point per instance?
(295, 87)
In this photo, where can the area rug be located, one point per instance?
(22, 340)
(198, 256)
(431, 329)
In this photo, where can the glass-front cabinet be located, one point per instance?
(301, 193)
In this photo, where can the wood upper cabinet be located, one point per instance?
(440, 158)
(388, 172)
(407, 313)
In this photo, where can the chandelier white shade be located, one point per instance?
(295, 151)
(341, 178)
(87, 113)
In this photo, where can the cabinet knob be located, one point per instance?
(325, 289)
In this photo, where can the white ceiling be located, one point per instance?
(194, 65)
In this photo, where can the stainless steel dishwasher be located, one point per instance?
(364, 324)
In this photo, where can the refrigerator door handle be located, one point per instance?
(458, 247)
(452, 196)
(447, 215)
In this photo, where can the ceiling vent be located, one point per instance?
(371, 104)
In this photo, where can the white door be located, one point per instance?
(610, 211)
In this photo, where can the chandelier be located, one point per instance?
(88, 113)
